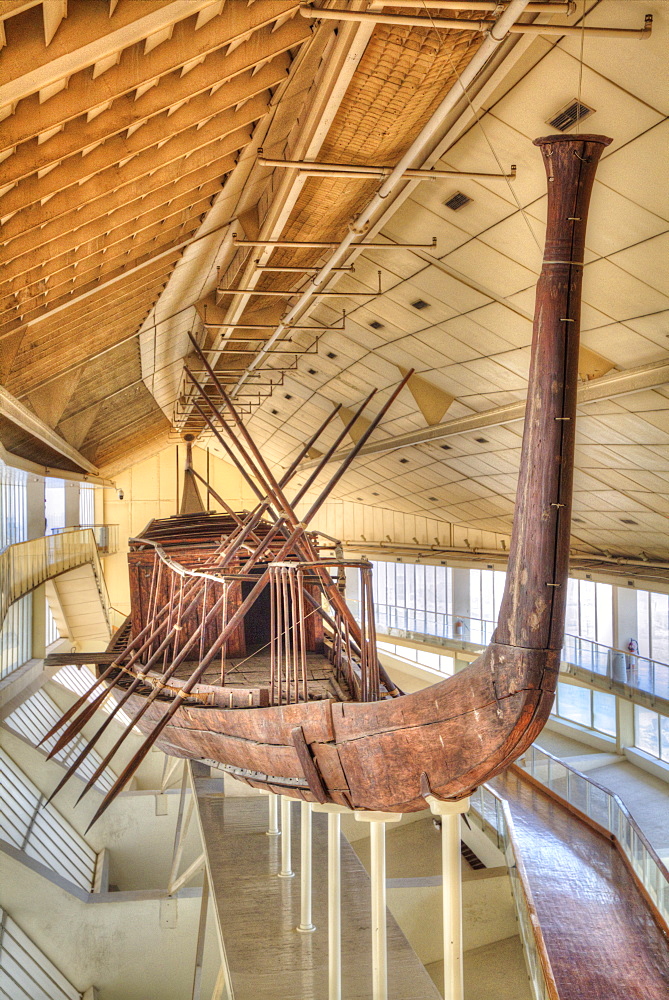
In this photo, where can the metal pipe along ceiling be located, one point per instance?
(416, 151)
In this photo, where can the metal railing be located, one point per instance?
(490, 812)
(615, 665)
(25, 971)
(610, 812)
(26, 565)
(106, 536)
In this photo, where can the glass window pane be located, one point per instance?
(475, 593)
(664, 737)
(642, 611)
(604, 594)
(659, 627)
(571, 625)
(574, 704)
(604, 712)
(587, 609)
(646, 730)
(487, 595)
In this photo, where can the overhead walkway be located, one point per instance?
(603, 938)
(27, 565)
(629, 675)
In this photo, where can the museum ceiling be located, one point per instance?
(135, 189)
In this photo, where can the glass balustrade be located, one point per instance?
(490, 813)
(106, 536)
(637, 671)
(26, 565)
(610, 812)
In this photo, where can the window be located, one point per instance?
(651, 733)
(13, 506)
(54, 497)
(486, 587)
(86, 505)
(653, 618)
(592, 709)
(415, 586)
(590, 611)
(16, 635)
(424, 657)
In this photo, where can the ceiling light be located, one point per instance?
(433, 499)
(571, 114)
(274, 412)
(420, 304)
(628, 520)
(456, 201)
(330, 354)
(481, 440)
(446, 447)
(403, 461)
(312, 371)
(287, 395)
(375, 325)
(578, 520)
(375, 494)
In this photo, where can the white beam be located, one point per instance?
(618, 384)
(11, 409)
(102, 48)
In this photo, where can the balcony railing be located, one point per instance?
(106, 536)
(610, 812)
(26, 565)
(490, 812)
(616, 665)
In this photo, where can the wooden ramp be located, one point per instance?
(601, 937)
(258, 912)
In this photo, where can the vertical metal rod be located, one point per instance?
(377, 832)
(272, 639)
(303, 634)
(306, 926)
(451, 888)
(273, 823)
(286, 840)
(334, 906)
(201, 934)
(177, 479)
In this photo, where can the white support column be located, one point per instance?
(273, 822)
(286, 839)
(334, 812)
(306, 926)
(377, 832)
(451, 887)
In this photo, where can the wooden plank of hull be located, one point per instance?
(382, 755)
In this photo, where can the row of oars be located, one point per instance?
(165, 623)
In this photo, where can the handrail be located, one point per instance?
(637, 671)
(26, 565)
(607, 810)
(106, 536)
(499, 818)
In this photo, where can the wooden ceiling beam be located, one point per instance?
(127, 112)
(181, 129)
(11, 409)
(54, 154)
(106, 329)
(74, 276)
(83, 95)
(90, 279)
(111, 294)
(113, 182)
(66, 230)
(84, 40)
(19, 278)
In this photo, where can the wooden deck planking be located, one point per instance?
(601, 937)
(259, 912)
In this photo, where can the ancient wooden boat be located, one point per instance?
(242, 651)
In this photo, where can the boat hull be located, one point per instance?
(387, 755)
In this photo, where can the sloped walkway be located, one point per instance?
(601, 937)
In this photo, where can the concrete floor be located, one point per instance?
(646, 796)
(494, 972)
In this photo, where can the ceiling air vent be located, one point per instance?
(571, 114)
(459, 200)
